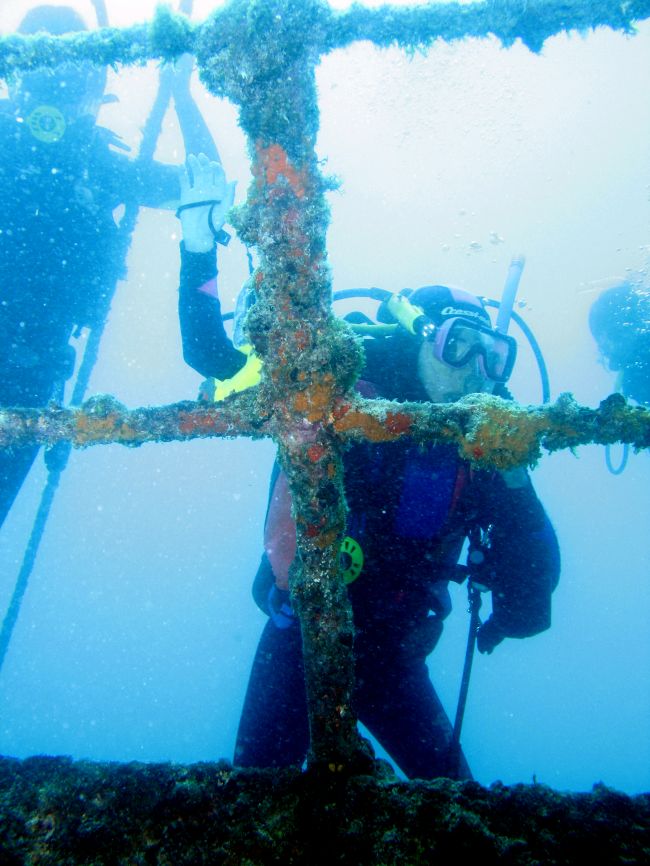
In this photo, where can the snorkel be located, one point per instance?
(509, 294)
(506, 314)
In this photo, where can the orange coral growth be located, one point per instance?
(325, 539)
(314, 402)
(198, 424)
(398, 422)
(299, 250)
(506, 436)
(192, 423)
(275, 164)
(315, 452)
(320, 539)
(374, 429)
(301, 337)
(282, 354)
(94, 428)
(341, 410)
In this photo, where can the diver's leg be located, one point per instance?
(27, 389)
(273, 729)
(398, 704)
(14, 466)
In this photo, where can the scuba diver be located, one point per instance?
(410, 511)
(61, 250)
(619, 320)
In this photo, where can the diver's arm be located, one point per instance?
(523, 563)
(206, 346)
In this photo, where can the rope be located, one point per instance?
(474, 623)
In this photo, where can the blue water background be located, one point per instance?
(138, 628)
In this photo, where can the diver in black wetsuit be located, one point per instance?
(61, 250)
(410, 511)
(620, 323)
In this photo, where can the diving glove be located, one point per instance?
(206, 198)
(489, 636)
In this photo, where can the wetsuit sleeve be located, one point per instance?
(523, 562)
(206, 346)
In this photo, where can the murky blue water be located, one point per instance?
(137, 631)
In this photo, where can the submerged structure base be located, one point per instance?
(59, 811)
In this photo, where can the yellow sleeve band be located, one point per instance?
(214, 390)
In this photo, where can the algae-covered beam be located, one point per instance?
(487, 430)
(167, 37)
(102, 420)
(533, 22)
(310, 359)
(491, 432)
(170, 35)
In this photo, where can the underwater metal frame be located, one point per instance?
(261, 55)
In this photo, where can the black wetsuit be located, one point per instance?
(60, 255)
(410, 510)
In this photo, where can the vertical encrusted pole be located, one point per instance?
(268, 69)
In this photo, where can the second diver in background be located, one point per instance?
(620, 323)
(61, 251)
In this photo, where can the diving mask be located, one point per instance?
(457, 340)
